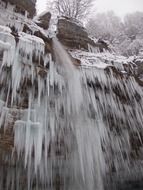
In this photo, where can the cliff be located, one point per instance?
(72, 34)
(70, 113)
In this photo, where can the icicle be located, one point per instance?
(73, 124)
(7, 45)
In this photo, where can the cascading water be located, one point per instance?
(73, 128)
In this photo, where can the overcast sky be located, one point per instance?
(41, 5)
(120, 7)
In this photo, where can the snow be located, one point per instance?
(101, 60)
(5, 29)
(30, 38)
(124, 72)
(73, 20)
(30, 44)
(89, 59)
(4, 45)
(138, 59)
(113, 57)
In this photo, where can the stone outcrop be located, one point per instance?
(73, 35)
(44, 20)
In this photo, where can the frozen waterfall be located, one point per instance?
(72, 126)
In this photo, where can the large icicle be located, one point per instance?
(72, 126)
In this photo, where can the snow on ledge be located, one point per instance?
(5, 29)
(4, 45)
(101, 60)
(30, 38)
(89, 59)
(30, 44)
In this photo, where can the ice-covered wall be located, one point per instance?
(51, 104)
(61, 126)
(20, 6)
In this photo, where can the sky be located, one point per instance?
(120, 7)
(41, 5)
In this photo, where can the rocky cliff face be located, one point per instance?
(44, 20)
(73, 35)
(81, 123)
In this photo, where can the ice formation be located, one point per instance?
(72, 126)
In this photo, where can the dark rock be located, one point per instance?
(103, 45)
(73, 35)
(75, 61)
(130, 185)
(27, 29)
(48, 41)
(42, 72)
(139, 62)
(44, 20)
(140, 82)
(15, 33)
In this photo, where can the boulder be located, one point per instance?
(73, 34)
(44, 20)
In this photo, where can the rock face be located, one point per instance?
(23, 5)
(108, 94)
(139, 62)
(44, 20)
(72, 34)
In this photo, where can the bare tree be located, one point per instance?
(106, 26)
(76, 9)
